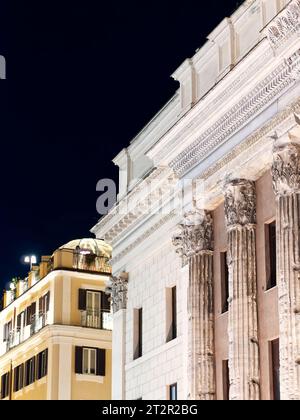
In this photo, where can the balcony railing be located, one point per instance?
(18, 335)
(38, 322)
(98, 319)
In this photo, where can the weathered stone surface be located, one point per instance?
(286, 180)
(240, 210)
(194, 244)
(118, 291)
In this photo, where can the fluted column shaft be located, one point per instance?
(240, 209)
(194, 243)
(201, 327)
(286, 180)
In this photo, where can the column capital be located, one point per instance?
(286, 165)
(195, 234)
(240, 203)
(117, 290)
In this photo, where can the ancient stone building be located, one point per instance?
(205, 233)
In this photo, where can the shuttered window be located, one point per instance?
(30, 371)
(5, 379)
(90, 361)
(42, 364)
(18, 378)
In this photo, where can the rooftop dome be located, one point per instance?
(95, 246)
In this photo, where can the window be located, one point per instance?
(95, 306)
(18, 378)
(270, 240)
(30, 313)
(171, 320)
(30, 371)
(90, 361)
(42, 364)
(224, 281)
(7, 331)
(138, 333)
(275, 370)
(226, 383)
(173, 392)
(5, 379)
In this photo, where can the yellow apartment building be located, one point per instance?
(55, 328)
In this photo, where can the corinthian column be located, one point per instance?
(194, 243)
(240, 212)
(286, 180)
(118, 296)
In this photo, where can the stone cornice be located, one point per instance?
(210, 108)
(242, 112)
(281, 123)
(138, 203)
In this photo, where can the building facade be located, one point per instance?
(205, 232)
(55, 328)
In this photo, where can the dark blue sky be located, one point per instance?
(83, 77)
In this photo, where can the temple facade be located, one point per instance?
(205, 232)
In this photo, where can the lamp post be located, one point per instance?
(31, 260)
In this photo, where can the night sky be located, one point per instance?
(82, 79)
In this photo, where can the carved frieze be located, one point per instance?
(195, 234)
(283, 76)
(118, 292)
(240, 203)
(286, 24)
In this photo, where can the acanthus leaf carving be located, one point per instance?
(240, 203)
(195, 234)
(117, 290)
(286, 167)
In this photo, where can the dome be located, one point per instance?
(95, 246)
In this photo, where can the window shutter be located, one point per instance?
(33, 310)
(48, 301)
(33, 367)
(105, 303)
(78, 360)
(5, 331)
(16, 379)
(82, 300)
(101, 362)
(39, 366)
(46, 361)
(41, 305)
(19, 321)
(22, 376)
(28, 315)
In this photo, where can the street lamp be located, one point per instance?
(31, 260)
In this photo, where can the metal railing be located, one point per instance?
(38, 321)
(18, 334)
(97, 319)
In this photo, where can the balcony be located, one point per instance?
(19, 335)
(97, 319)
